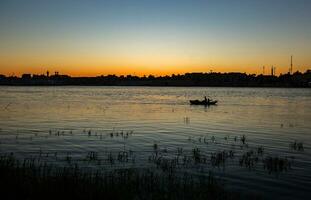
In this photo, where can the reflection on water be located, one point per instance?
(80, 121)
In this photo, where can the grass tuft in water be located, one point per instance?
(31, 180)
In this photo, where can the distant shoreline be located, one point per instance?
(154, 86)
(295, 80)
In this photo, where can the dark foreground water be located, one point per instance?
(57, 123)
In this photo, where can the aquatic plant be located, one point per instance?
(260, 150)
(196, 155)
(123, 156)
(276, 164)
(110, 158)
(179, 151)
(28, 180)
(155, 146)
(68, 158)
(298, 146)
(92, 156)
(243, 139)
(249, 159)
(219, 158)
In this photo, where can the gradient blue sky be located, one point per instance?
(90, 37)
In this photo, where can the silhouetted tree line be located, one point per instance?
(296, 79)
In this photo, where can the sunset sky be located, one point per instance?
(94, 37)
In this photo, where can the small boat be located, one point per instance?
(205, 103)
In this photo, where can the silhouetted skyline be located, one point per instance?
(232, 79)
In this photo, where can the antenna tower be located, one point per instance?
(291, 65)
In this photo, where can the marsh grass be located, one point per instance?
(160, 173)
(31, 180)
(172, 160)
(298, 146)
(276, 164)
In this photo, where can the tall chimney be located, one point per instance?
(291, 64)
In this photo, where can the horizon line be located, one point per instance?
(56, 73)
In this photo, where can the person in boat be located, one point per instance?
(207, 100)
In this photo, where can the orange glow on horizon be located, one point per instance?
(139, 65)
(137, 71)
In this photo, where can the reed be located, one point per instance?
(276, 164)
(30, 180)
(298, 146)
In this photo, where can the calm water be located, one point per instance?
(78, 120)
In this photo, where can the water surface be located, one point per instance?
(77, 120)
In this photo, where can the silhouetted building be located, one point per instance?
(26, 76)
